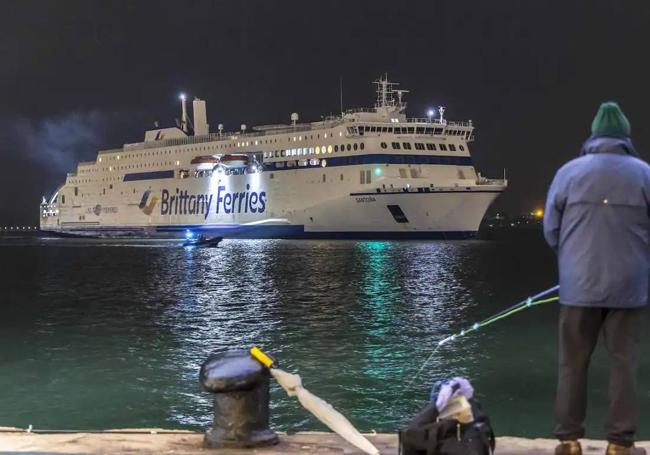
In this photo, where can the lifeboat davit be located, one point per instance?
(235, 160)
(205, 162)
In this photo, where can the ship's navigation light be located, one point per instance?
(431, 113)
(189, 235)
(377, 171)
(181, 96)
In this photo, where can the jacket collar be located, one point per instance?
(608, 144)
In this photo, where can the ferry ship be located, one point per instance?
(366, 173)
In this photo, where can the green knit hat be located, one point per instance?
(610, 121)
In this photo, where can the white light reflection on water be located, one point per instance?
(99, 337)
(224, 304)
(405, 291)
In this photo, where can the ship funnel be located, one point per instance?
(201, 126)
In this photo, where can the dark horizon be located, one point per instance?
(86, 75)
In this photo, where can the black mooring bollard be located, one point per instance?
(241, 402)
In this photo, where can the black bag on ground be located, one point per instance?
(426, 436)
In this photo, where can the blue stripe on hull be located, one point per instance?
(373, 158)
(268, 232)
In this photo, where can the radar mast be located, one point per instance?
(386, 92)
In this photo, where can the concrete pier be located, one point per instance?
(158, 441)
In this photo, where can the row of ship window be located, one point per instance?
(422, 146)
(359, 130)
(360, 146)
(410, 130)
(207, 148)
(311, 150)
(328, 149)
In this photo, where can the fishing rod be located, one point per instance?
(529, 302)
(514, 309)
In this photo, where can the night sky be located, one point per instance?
(76, 76)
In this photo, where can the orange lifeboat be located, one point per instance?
(235, 160)
(204, 162)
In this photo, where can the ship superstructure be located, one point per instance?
(368, 173)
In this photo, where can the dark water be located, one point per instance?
(101, 335)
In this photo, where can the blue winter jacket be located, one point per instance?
(597, 219)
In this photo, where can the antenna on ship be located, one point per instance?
(341, 93)
(294, 119)
(385, 92)
(441, 109)
(184, 112)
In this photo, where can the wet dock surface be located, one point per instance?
(156, 441)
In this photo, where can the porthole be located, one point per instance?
(336, 148)
(349, 147)
(462, 149)
(362, 146)
(355, 146)
(329, 149)
(383, 145)
(317, 150)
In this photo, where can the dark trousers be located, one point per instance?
(579, 331)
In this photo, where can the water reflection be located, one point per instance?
(113, 336)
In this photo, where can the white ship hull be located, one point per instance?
(346, 211)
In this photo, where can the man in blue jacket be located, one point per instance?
(597, 219)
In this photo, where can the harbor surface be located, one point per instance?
(102, 334)
(190, 443)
